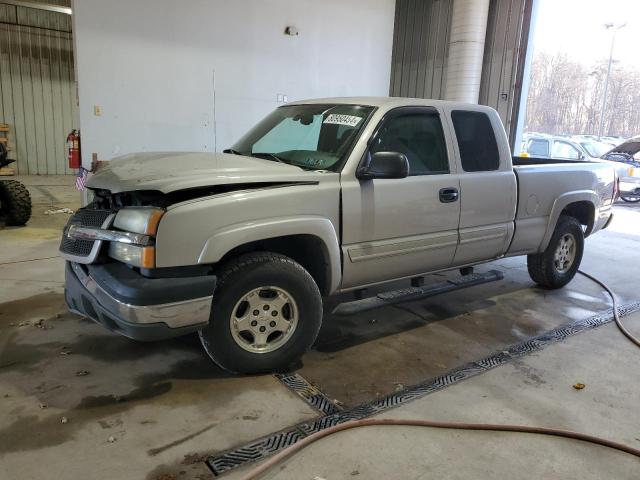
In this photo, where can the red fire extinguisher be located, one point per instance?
(73, 149)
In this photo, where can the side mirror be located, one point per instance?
(384, 165)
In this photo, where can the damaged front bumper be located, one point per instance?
(137, 307)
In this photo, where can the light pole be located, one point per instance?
(615, 28)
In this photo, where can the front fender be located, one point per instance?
(228, 238)
(561, 203)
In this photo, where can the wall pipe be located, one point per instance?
(466, 50)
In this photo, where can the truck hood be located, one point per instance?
(625, 152)
(170, 172)
(629, 147)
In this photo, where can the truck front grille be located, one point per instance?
(85, 217)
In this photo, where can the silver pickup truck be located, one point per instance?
(320, 197)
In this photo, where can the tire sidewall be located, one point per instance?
(15, 203)
(565, 225)
(217, 337)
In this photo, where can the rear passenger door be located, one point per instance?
(488, 187)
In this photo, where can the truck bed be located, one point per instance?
(543, 184)
(525, 161)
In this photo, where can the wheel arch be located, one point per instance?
(310, 241)
(580, 205)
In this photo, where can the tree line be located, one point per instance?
(565, 97)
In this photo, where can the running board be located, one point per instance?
(416, 293)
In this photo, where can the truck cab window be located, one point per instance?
(476, 141)
(419, 136)
(564, 150)
(538, 147)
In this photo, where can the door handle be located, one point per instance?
(448, 195)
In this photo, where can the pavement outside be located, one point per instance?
(78, 401)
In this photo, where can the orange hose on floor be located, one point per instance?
(614, 303)
(287, 452)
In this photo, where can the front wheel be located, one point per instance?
(267, 311)
(558, 264)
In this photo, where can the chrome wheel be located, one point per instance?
(264, 319)
(565, 253)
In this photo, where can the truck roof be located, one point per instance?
(390, 102)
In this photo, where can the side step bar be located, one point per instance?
(416, 293)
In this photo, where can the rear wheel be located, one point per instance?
(15, 202)
(267, 311)
(558, 264)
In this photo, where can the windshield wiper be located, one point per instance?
(269, 156)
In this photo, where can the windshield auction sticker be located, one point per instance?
(348, 120)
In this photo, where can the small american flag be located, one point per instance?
(81, 178)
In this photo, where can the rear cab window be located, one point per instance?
(476, 141)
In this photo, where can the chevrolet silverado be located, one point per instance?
(320, 197)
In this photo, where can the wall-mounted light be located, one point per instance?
(293, 31)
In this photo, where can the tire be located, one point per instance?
(246, 287)
(15, 202)
(553, 272)
(630, 199)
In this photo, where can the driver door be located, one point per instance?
(394, 228)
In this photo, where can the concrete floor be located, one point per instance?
(154, 410)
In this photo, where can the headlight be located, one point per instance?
(139, 219)
(136, 255)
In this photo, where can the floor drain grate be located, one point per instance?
(310, 393)
(266, 446)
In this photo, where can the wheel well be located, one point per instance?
(308, 250)
(584, 212)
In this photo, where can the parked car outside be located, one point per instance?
(583, 148)
(628, 153)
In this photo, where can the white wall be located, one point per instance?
(195, 75)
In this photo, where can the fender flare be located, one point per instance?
(228, 238)
(560, 204)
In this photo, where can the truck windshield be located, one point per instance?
(313, 136)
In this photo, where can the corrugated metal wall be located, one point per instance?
(419, 62)
(505, 44)
(37, 87)
(420, 48)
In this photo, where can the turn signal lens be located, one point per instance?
(154, 220)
